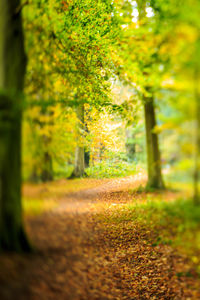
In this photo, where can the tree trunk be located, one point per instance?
(79, 167)
(87, 158)
(47, 171)
(87, 152)
(12, 70)
(155, 180)
(47, 163)
(34, 178)
(130, 143)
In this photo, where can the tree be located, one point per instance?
(130, 143)
(155, 180)
(141, 59)
(182, 47)
(12, 70)
(79, 164)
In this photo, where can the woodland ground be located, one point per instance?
(89, 246)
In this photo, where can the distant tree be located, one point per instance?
(79, 164)
(140, 43)
(12, 71)
(155, 179)
(130, 143)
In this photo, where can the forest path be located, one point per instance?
(80, 256)
(83, 201)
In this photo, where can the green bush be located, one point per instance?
(111, 168)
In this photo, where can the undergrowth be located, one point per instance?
(110, 169)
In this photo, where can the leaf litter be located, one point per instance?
(82, 253)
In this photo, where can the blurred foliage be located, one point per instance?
(105, 55)
(111, 168)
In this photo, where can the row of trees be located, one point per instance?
(72, 66)
(77, 52)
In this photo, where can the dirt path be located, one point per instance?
(82, 201)
(81, 259)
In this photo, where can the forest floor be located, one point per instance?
(89, 246)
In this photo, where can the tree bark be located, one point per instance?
(155, 180)
(12, 71)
